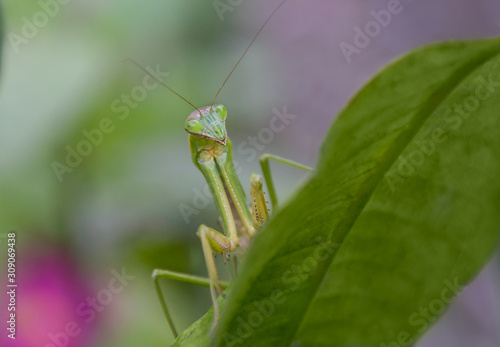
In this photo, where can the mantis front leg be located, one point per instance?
(212, 242)
(219, 173)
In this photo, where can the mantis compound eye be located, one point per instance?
(221, 111)
(194, 126)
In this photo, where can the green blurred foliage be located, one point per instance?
(119, 206)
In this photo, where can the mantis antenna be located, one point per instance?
(227, 78)
(161, 82)
(245, 52)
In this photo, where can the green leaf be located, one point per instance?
(402, 211)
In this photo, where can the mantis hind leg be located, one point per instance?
(266, 171)
(181, 277)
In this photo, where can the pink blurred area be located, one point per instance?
(50, 287)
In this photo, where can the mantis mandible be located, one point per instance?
(211, 152)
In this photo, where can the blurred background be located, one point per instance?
(96, 175)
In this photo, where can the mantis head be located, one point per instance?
(208, 122)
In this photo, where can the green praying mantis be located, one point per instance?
(212, 153)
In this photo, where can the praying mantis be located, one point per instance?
(212, 153)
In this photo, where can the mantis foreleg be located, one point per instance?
(212, 242)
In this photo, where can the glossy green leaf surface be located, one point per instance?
(402, 211)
